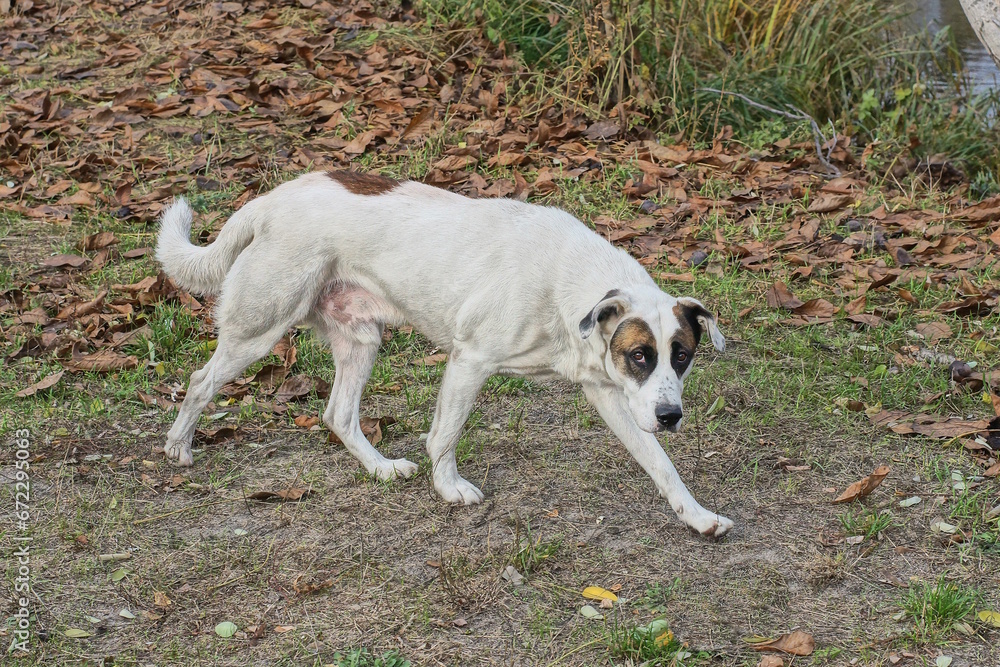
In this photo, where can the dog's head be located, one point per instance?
(649, 342)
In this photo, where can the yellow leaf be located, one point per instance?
(598, 593)
(990, 617)
(665, 638)
(983, 346)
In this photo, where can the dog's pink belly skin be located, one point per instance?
(350, 304)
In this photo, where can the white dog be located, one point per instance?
(502, 286)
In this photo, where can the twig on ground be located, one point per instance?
(182, 509)
(818, 136)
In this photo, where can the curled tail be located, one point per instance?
(200, 269)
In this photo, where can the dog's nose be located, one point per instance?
(668, 416)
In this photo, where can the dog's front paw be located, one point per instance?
(178, 451)
(716, 526)
(702, 521)
(460, 491)
(395, 468)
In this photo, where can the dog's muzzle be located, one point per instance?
(668, 417)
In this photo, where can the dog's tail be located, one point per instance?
(195, 268)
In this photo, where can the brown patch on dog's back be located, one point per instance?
(363, 184)
(631, 335)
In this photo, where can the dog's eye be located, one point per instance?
(682, 356)
(638, 357)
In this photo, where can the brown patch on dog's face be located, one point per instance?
(363, 184)
(633, 349)
(685, 340)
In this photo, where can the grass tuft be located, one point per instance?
(531, 552)
(867, 522)
(652, 644)
(936, 608)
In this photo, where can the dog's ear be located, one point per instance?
(700, 318)
(605, 314)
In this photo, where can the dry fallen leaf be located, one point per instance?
(271, 376)
(136, 253)
(97, 241)
(285, 350)
(217, 435)
(102, 361)
(855, 307)
(796, 642)
(431, 360)
(933, 426)
(511, 574)
(74, 261)
(816, 308)
(826, 202)
(770, 661)
(863, 487)
(779, 296)
(455, 162)
(293, 493)
(934, 331)
(41, 385)
(295, 387)
(306, 421)
(304, 588)
(371, 428)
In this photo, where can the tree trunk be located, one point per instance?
(984, 15)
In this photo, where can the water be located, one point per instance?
(936, 14)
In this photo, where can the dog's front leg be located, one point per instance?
(462, 380)
(646, 449)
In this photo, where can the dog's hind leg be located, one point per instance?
(354, 351)
(260, 299)
(462, 381)
(232, 356)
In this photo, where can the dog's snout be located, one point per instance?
(668, 416)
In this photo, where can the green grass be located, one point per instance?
(936, 608)
(659, 594)
(174, 333)
(361, 657)
(650, 644)
(866, 523)
(531, 552)
(969, 512)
